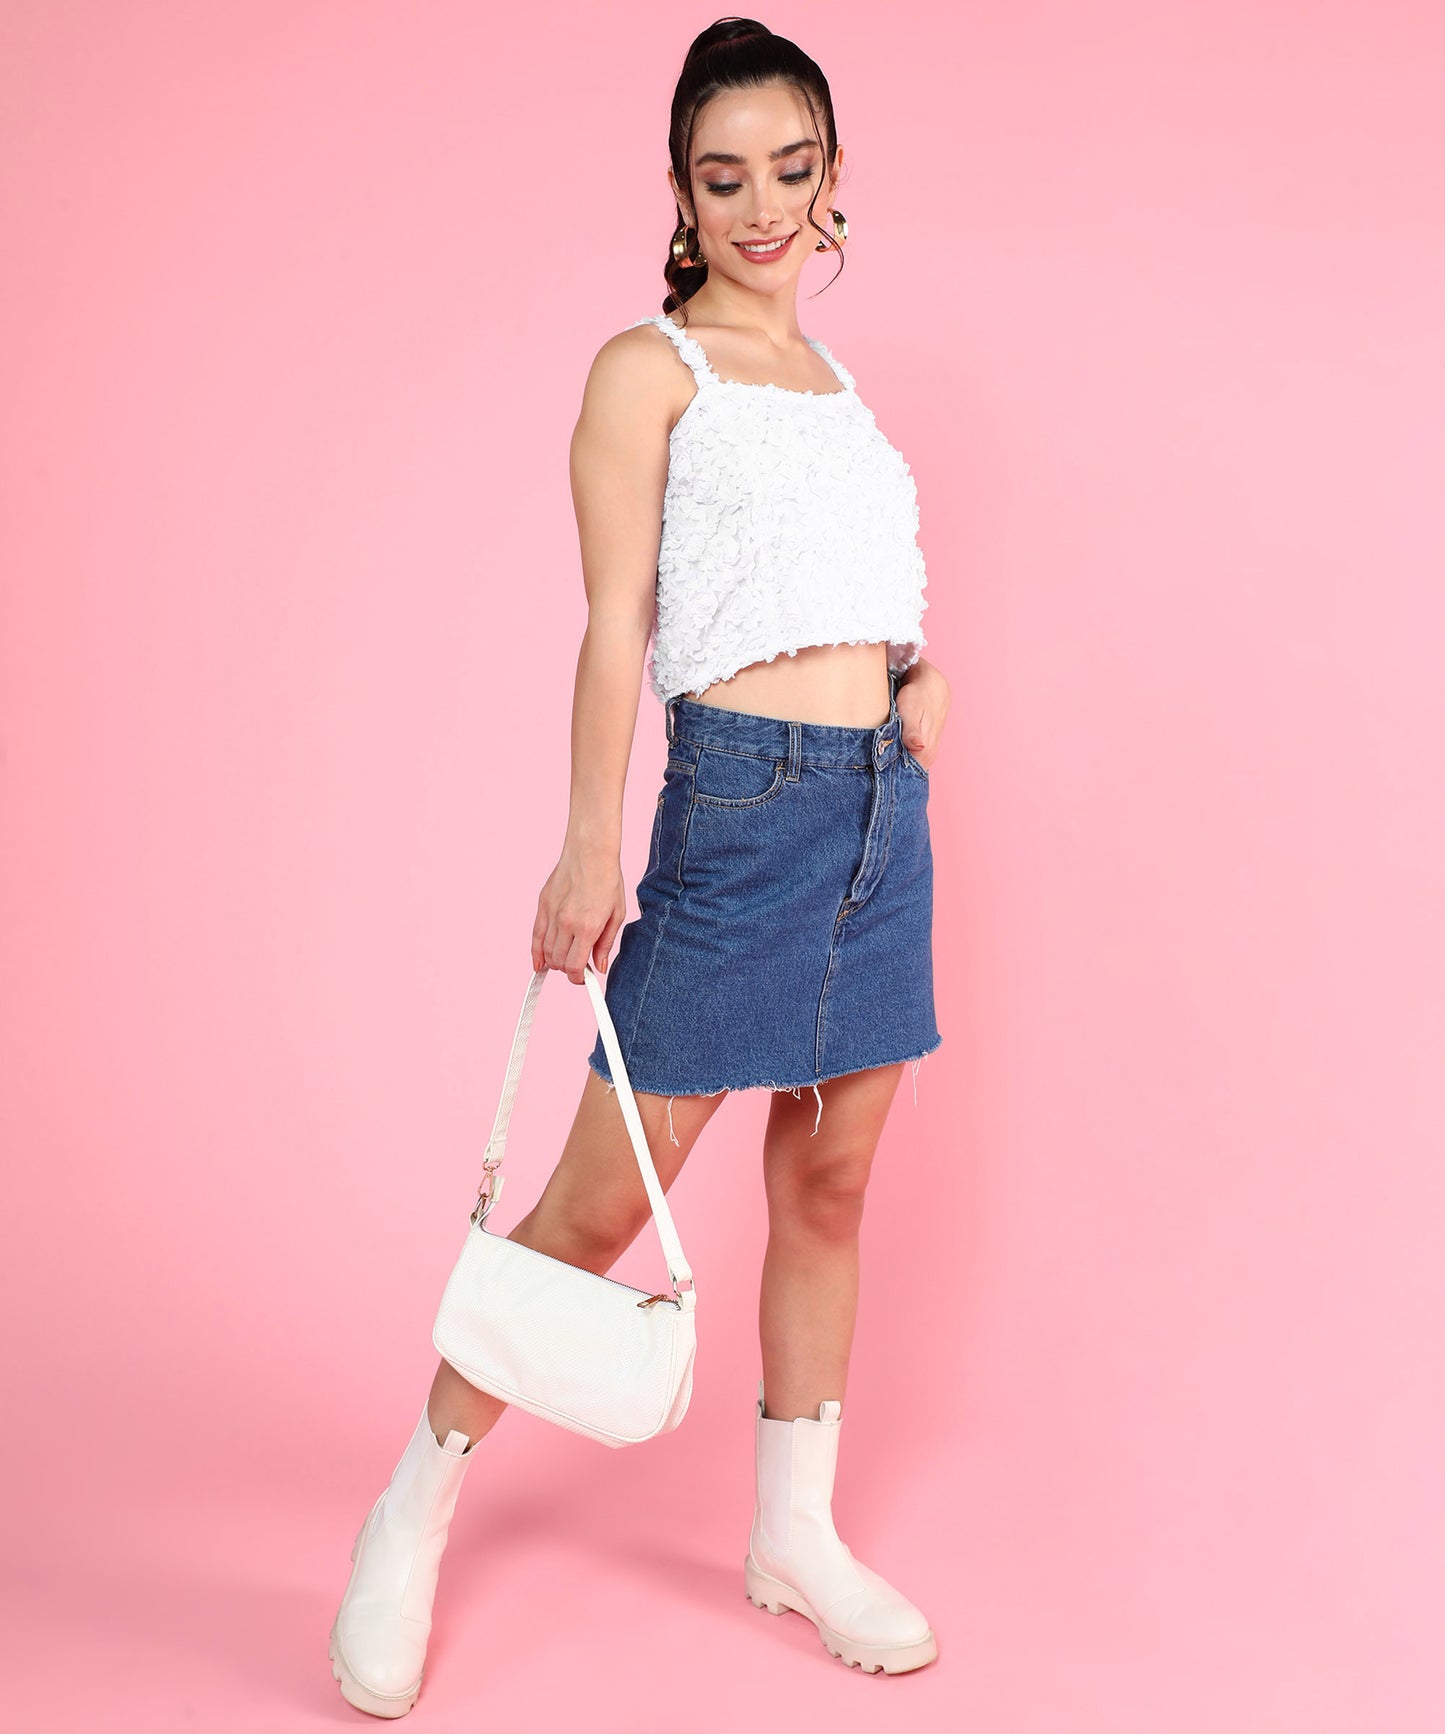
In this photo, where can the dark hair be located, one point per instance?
(738, 54)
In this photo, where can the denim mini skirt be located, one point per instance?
(785, 920)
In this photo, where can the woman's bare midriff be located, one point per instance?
(845, 685)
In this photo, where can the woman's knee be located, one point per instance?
(587, 1218)
(822, 1195)
(597, 1231)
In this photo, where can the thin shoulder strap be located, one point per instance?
(847, 378)
(691, 351)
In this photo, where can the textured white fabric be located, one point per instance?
(789, 520)
(565, 1344)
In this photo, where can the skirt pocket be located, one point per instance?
(727, 779)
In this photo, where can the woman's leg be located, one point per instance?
(815, 1186)
(592, 1208)
(590, 1212)
(796, 1558)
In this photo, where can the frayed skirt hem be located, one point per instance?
(660, 1089)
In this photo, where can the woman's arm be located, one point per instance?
(619, 474)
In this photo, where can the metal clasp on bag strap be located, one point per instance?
(490, 1189)
(688, 1287)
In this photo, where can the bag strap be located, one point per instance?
(490, 1189)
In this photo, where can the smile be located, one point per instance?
(764, 249)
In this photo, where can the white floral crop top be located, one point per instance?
(788, 520)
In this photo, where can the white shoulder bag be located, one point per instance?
(594, 1355)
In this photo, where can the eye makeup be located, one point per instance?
(796, 178)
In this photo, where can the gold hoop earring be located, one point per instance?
(840, 233)
(682, 248)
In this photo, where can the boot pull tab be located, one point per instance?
(830, 1410)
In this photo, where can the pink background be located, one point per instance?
(1145, 1408)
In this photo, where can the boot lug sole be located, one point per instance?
(362, 1697)
(774, 1597)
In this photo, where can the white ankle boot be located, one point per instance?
(379, 1639)
(796, 1559)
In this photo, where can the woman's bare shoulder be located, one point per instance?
(636, 373)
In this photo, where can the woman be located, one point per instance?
(745, 513)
